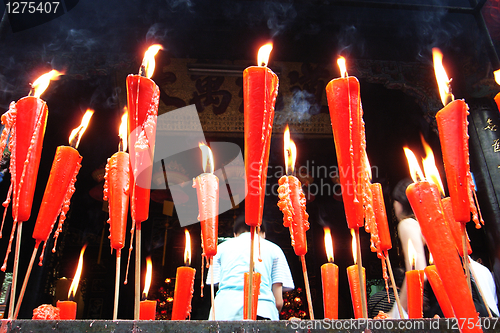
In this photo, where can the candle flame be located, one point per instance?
(441, 77)
(342, 67)
(354, 247)
(40, 84)
(148, 62)
(430, 169)
(77, 133)
(149, 276)
(412, 254)
(263, 54)
(207, 157)
(431, 259)
(415, 171)
(78, 273)
(122, 132)
(187, 249)
(497, 76)
(367, 166)
(328, 245)
(290, 151)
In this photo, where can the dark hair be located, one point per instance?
(240, 226)
(399, 195)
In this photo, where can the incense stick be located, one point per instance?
(479, 289)
(117, 284)
(394, 287)
(361, 276)
(25, 282)
(212, 291)
(137, 281)
(308, 289)
(250, 273)
(15, 270)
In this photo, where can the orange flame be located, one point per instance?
(328, 244)
(441, 77)
(148, 62)
(263, 54)
(415, 171)
(122, 132)
(207, 157)
(187, 249)
(78, 273)
(77, 133)
(497, 76)
(412, 254)
(430, 169)
(290, 151)
(342, 67)
(149, 275)
(40, 84)
(354, 247)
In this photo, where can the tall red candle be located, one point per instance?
(183, 293)
(330, 281)
(384, 235)
(260, 89)
(438, 289)
(415, 292)
(255, 294)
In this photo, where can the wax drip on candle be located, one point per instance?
(8, 120)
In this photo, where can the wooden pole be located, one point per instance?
(479, 289)
(308, 289)
(15, 270)
(394, 287)
(137, 300)
(212, 290)
(25, 282)
(250, 273)
(117, 284)
(361, 276)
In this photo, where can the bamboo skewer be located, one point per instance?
(117, 284)
(25, 282)
(212, 291)
(137, 301)
(466, 261)
(308, 289)
(394, 287)
(15, 270)
(361, 277)
(479, 289)
(250, 273)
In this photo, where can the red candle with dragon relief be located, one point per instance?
(414, 286)
(438, 289)
(207, 190)
(143, 97)
(330, 281)
(184, 285)
(147, 308)
(255, 294)
(260, 89)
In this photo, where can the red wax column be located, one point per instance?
(147, 310)
(345, 113)
(452, 125)
(330, 284)
(207, 190)
(67, 309)
(260, 89)
(438, 288)
(65, 166)
(116, 190)
(415, 291)
(255, 295)
(384, 234)
(300, 223)
(183, 293)
(356, 289)
(143, 97)
(425, 200)
(456, 228)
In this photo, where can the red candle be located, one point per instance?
(184, 286)
(415, 291)
(355, 288)
(330, 281)
(255, 294)
(147, 309)
(207, 190)
(260, 89)
(384, 234)
(456, 228)
(438, 288)
(143, 97)
(425, 200)
(67, 309)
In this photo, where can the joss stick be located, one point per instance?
(361, 277)
(466, 262)
(308, 289)
(250, 273)
(479, 289)
(137, 273)
(212, 291)
(100, 245)
(394, 287)
(25, 282)
(14, 271)
(117, 284)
